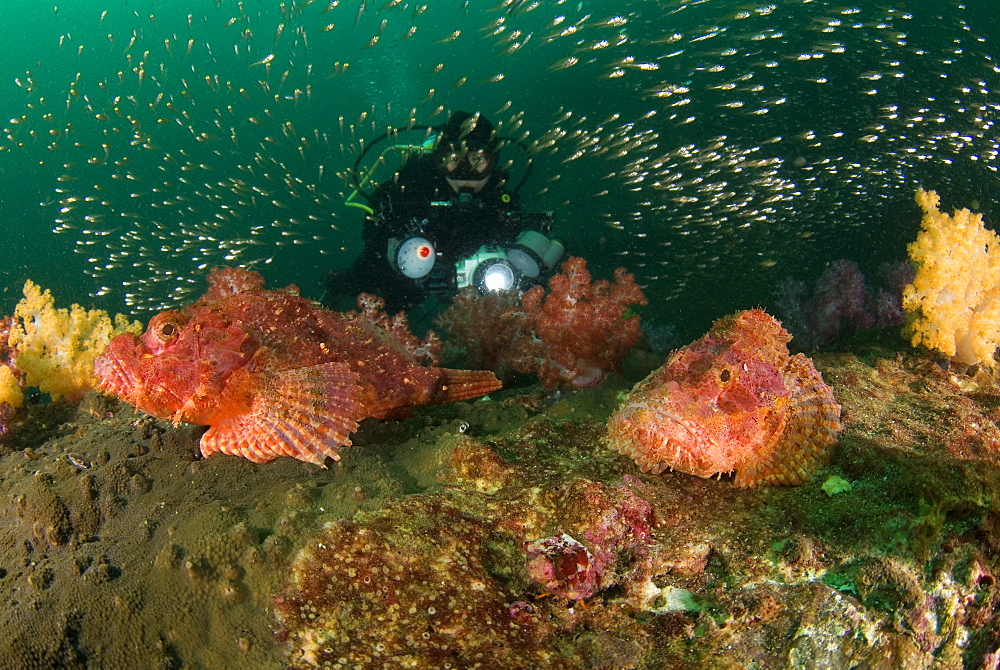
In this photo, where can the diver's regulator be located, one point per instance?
(492, 268)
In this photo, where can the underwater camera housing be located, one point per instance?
(493, 268)
(488, 270)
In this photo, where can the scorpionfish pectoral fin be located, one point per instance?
(811, 427)
(305, 412)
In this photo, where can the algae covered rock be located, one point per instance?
(409, 587)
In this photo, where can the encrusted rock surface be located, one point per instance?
(501, 533)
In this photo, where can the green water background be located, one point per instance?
(698, 256)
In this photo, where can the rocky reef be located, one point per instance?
(502, 533)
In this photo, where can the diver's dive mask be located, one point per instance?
(465, 167)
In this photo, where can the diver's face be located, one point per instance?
(466, 168)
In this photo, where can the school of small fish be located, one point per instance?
(698, 129)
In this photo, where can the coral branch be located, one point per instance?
(427, 351)
(954, 301)
(575, 334)
(842, 302)
(55, 348)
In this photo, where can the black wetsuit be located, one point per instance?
(419, 202)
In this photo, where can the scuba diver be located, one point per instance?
(448, 218)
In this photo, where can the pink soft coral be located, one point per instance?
(487, 327)
(583, 329)
(574, 334)
(427, 350)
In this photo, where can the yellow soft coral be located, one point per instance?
(954, 301)
(10, 389)
(56, 348)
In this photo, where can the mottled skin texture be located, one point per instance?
(732, 401)
(271, 372)
(563, 566)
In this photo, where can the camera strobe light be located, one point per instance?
(414, 257)
(495, 274)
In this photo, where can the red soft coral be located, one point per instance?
(583, 330)
(427, 351)
(574, 334)
(488, 327)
